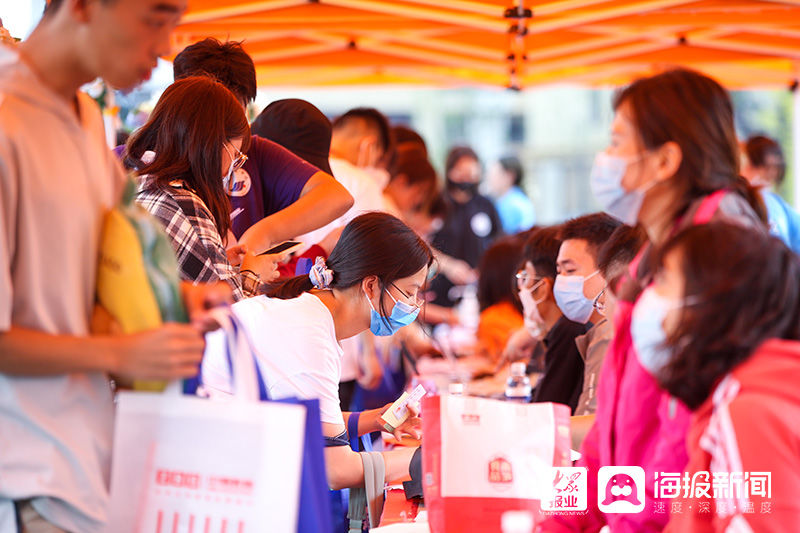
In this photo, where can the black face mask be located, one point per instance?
(465, 186)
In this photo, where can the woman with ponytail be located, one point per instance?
(371, 281)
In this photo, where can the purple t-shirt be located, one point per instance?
(271, 179)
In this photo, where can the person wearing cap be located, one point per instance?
(304, 130)
(275, 195)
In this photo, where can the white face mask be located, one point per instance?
(534, 322)
(237, 160)
(647, 330)
(605, 181)
(227, 179)
(568, 291)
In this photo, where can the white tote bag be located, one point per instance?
(183, 464)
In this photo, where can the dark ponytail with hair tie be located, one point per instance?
(372, 244)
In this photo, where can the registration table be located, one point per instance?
(409, 516)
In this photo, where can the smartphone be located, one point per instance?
(282, 248)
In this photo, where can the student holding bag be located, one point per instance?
(672, 162)
(724, 340)
(371, 281)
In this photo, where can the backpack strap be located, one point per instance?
(366, 503)
(708, 207)
(374, 476)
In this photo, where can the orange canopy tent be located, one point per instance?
(513, 43)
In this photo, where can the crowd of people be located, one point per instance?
(668, 323)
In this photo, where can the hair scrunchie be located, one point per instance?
(320, 275)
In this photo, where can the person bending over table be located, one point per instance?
(371, 281)
(187, 154)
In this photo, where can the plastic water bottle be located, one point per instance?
(469, 308)
(518, 386)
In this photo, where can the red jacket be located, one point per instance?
(748, 424)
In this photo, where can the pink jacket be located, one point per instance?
(749, 425)
(637, 424)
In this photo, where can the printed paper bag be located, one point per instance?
(185, 464)
(483, 457)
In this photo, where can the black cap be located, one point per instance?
(299, 127)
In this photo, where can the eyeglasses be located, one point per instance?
(525, 280)
(417, 302)
(239, 160)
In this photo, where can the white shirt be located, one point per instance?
(365, 189)
(296, 348)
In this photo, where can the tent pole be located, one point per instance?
(796, 148)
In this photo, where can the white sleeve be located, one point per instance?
(214, 369)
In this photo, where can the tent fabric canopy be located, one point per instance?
(504, 43)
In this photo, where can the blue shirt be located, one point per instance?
(515, 210)
(784, 222)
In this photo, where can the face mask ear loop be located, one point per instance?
(384, 318)
(368, 300)
(535, 288)
(228, 181)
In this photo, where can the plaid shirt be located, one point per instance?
(194, 235)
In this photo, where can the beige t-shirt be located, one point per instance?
(57, 179)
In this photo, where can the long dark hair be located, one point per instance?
(191, 122)
(744, 288)
(372, 244)
(695, 112)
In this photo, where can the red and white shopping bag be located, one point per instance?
(483, 457)
(183, 464)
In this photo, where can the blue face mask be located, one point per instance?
(605, 181)
(568, 291)
(402, 314)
